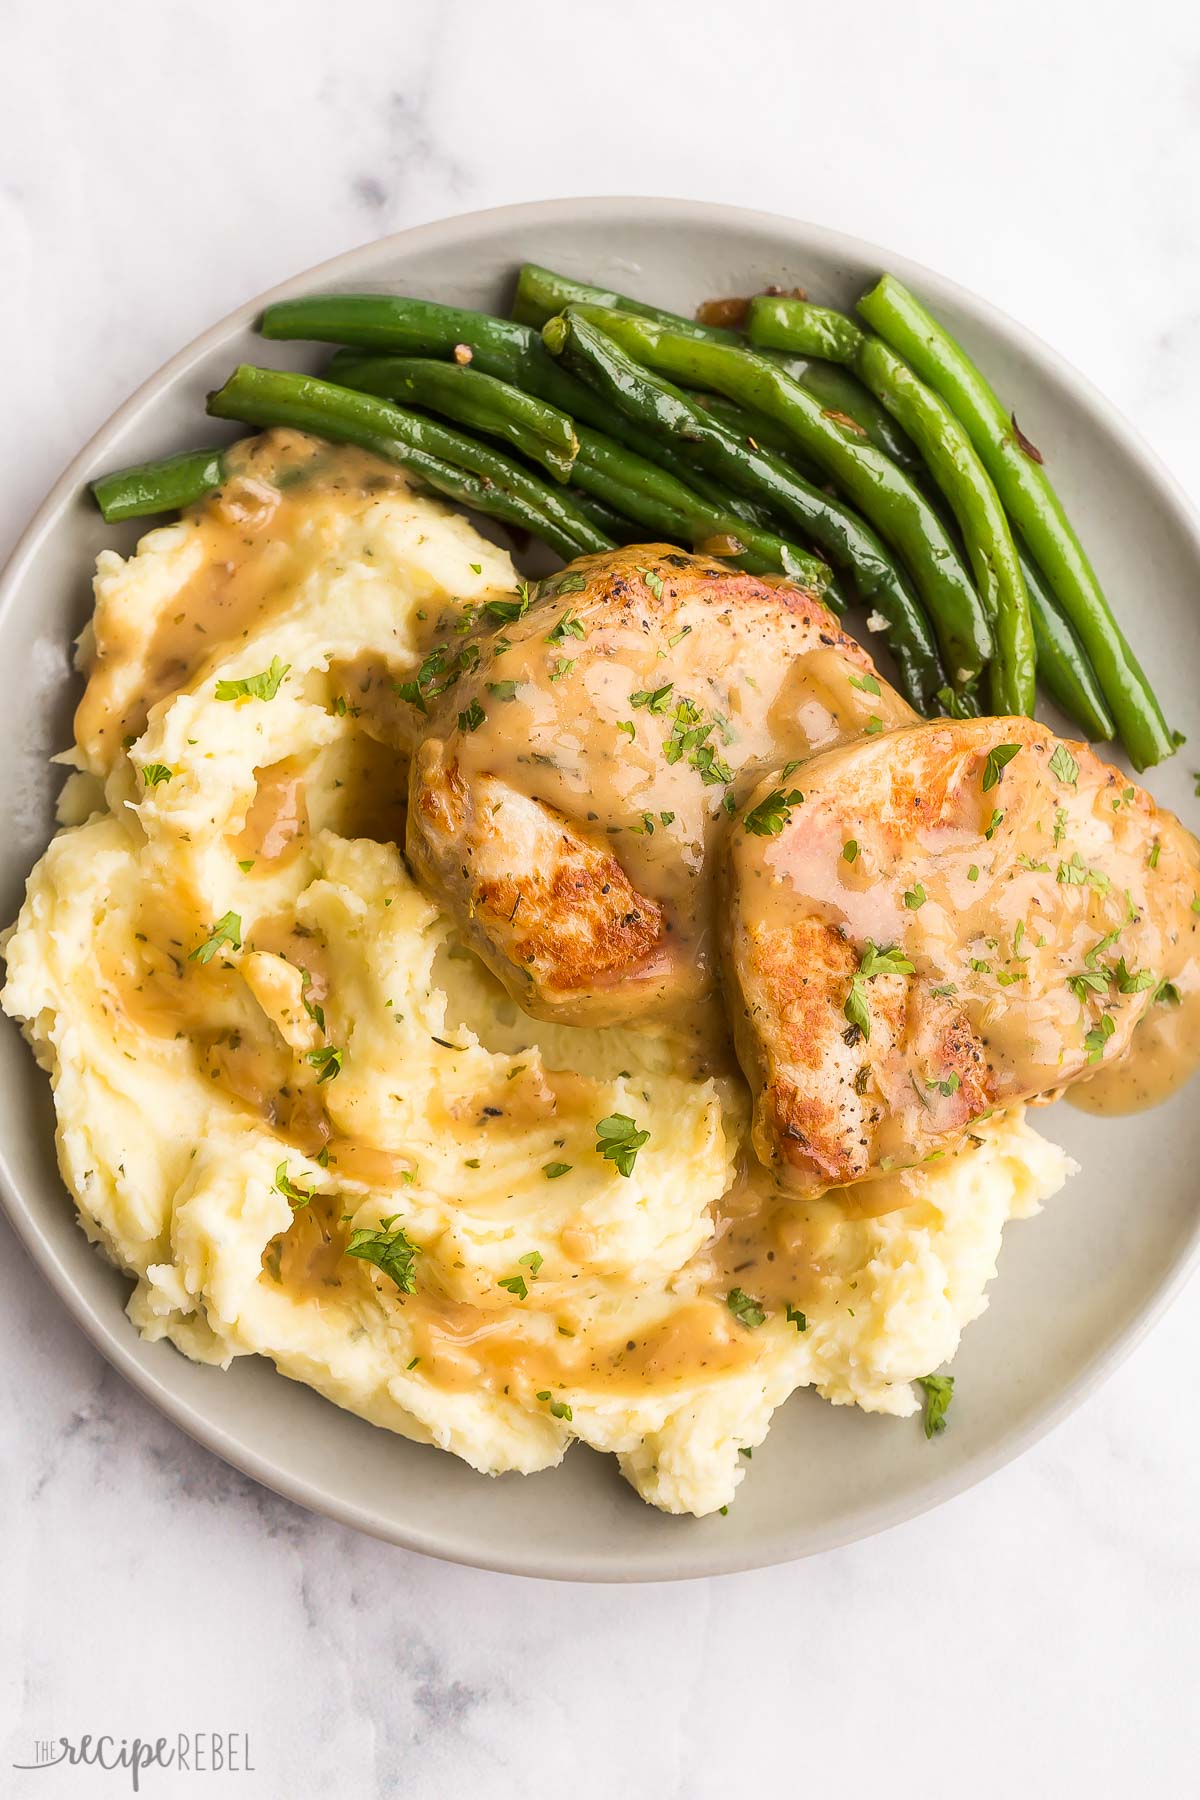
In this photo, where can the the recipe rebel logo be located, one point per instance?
(194, 1753)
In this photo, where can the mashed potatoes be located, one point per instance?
(264, 1041)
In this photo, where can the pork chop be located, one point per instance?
(939, 920)
(565, 801)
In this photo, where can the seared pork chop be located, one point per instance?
(566, 799)
(935, 921)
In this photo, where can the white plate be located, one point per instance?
(1077, 1286)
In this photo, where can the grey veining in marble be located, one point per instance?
(159, 162)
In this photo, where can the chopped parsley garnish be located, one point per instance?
(255, 687)
(532, 1262)
(914, 897)
(973, 872)
(569, 584)
(295, 1196)
(1134, 981)
(389, 1249)
(1167, 994)
(328, 1060)
(1064, 766)
(618, 1140)
(153, 773)
(246, 865)
(1035, 868)
(866, 684)
(849, 850)
(502, 690)
(1073, 873)
(562, 667)
(795, 1317)
(316, 1013)
(472, 717)
(226, 931)
(515, 1284)
(713, 772)
(1060, 825)
(1155, 853)
(746, 1311)
(655, 700)
(1090, 981)
(558, 1408)
(1100, 946)
(678, 637)
(873, 724)
(508, 610)
(552, 1171)
(438, 672)
(939, 1392)
(1095, 1040)
(995, 763)
(949, 1086)
(653, 581)
(568, 626)
(629, 728)
(874, 962)
(996, 819)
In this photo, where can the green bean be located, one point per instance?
(884, 495)
(392, 324)
(658, 407)
(1034, 508)
(447, 461)
(541, 293)
(841, 392)
(540, 431)
(605, 518)
(156, 487)
(1063, 667)
(960, 476)
(657, 500)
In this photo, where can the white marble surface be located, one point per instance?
(160, 162)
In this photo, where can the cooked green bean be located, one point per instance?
(1063, 667)
(538, 430)
(156, 487)
(841, 392)
(541, 293)
(947, 449)
(605, 518)
(657, 500)
(659, 408)
(883, 494)
(447, 461)
(1034, 508)
(393, 324)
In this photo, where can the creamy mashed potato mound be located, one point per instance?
(242, 1000)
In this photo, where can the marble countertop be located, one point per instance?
(159, 163)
